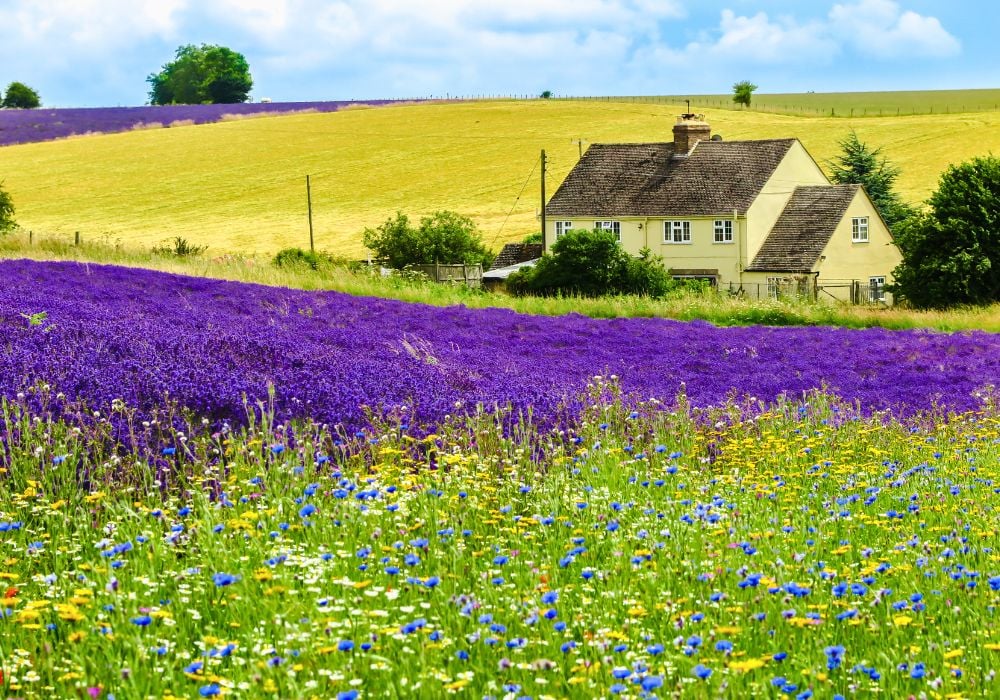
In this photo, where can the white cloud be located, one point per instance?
(881, 28)
(91, 23)
(762, 40)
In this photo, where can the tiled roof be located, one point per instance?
(804, 228)
(514, 253)
(644, 179)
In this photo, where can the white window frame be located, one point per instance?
(677, 232)
(774, 285)
(614, 226)
(562, 228)
(723, 231)
(859, 229)
(876, 288)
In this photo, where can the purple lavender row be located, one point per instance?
(101, 332)
(30, 125)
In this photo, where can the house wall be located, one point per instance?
(796, 168)
(701, 254)
(843, 259)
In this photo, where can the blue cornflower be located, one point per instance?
(307, 510)
(650, 683)
(550, 597)
(702, 671)
(209, 690)
(345, 645)
(221, 580)
(142, 620)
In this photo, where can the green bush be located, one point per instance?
(297, 258)
(7, 223)
(591, 264)
(444, 237)
(179, 247)
(951, 254)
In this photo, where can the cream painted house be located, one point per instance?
(758, 217)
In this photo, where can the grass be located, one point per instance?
(636, 550)
(841, 104)
(719, 309)
(239, 186)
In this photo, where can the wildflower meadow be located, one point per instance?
(214, 489)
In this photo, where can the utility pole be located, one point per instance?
(543, 201)
(309, 203)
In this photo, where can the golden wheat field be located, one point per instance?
(240, 185)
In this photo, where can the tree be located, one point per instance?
(20, 96)
(444, 237)
(592, 263)
(546, 94)
(951, 254)
(7, 223)
(742, 92)
(858, 164)
(205, 74)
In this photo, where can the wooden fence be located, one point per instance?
(469, 275)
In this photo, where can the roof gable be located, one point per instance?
(514, 253)
(804, 228)
(644, 179)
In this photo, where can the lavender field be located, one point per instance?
(793, 546)
(30, 125)
(100, 333)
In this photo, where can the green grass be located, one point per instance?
(647, 544)
(839, 104)
(239, 186)
(720, 309)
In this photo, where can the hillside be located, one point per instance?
(240, 185)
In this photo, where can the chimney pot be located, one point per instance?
(688, 131)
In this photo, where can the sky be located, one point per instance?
(96, 53)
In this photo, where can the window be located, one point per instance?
(774, 285)
(723, 231)
(876, 289)
(859, 229)
(563, 227)
(676, 231)
(614, 226)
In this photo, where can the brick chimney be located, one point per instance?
(689, 130)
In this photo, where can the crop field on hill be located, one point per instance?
(240, 186)
(30, 126)
(613, 541)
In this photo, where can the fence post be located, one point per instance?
(31, 238)
(76, 239)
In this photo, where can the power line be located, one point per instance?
(516, 200)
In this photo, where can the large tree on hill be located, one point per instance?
(20, 96)
(205, 74)
(858, 164)
(951, 254)
(742, 92)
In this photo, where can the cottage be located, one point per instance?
(757, 217)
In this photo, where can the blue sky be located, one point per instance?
(99, 52)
